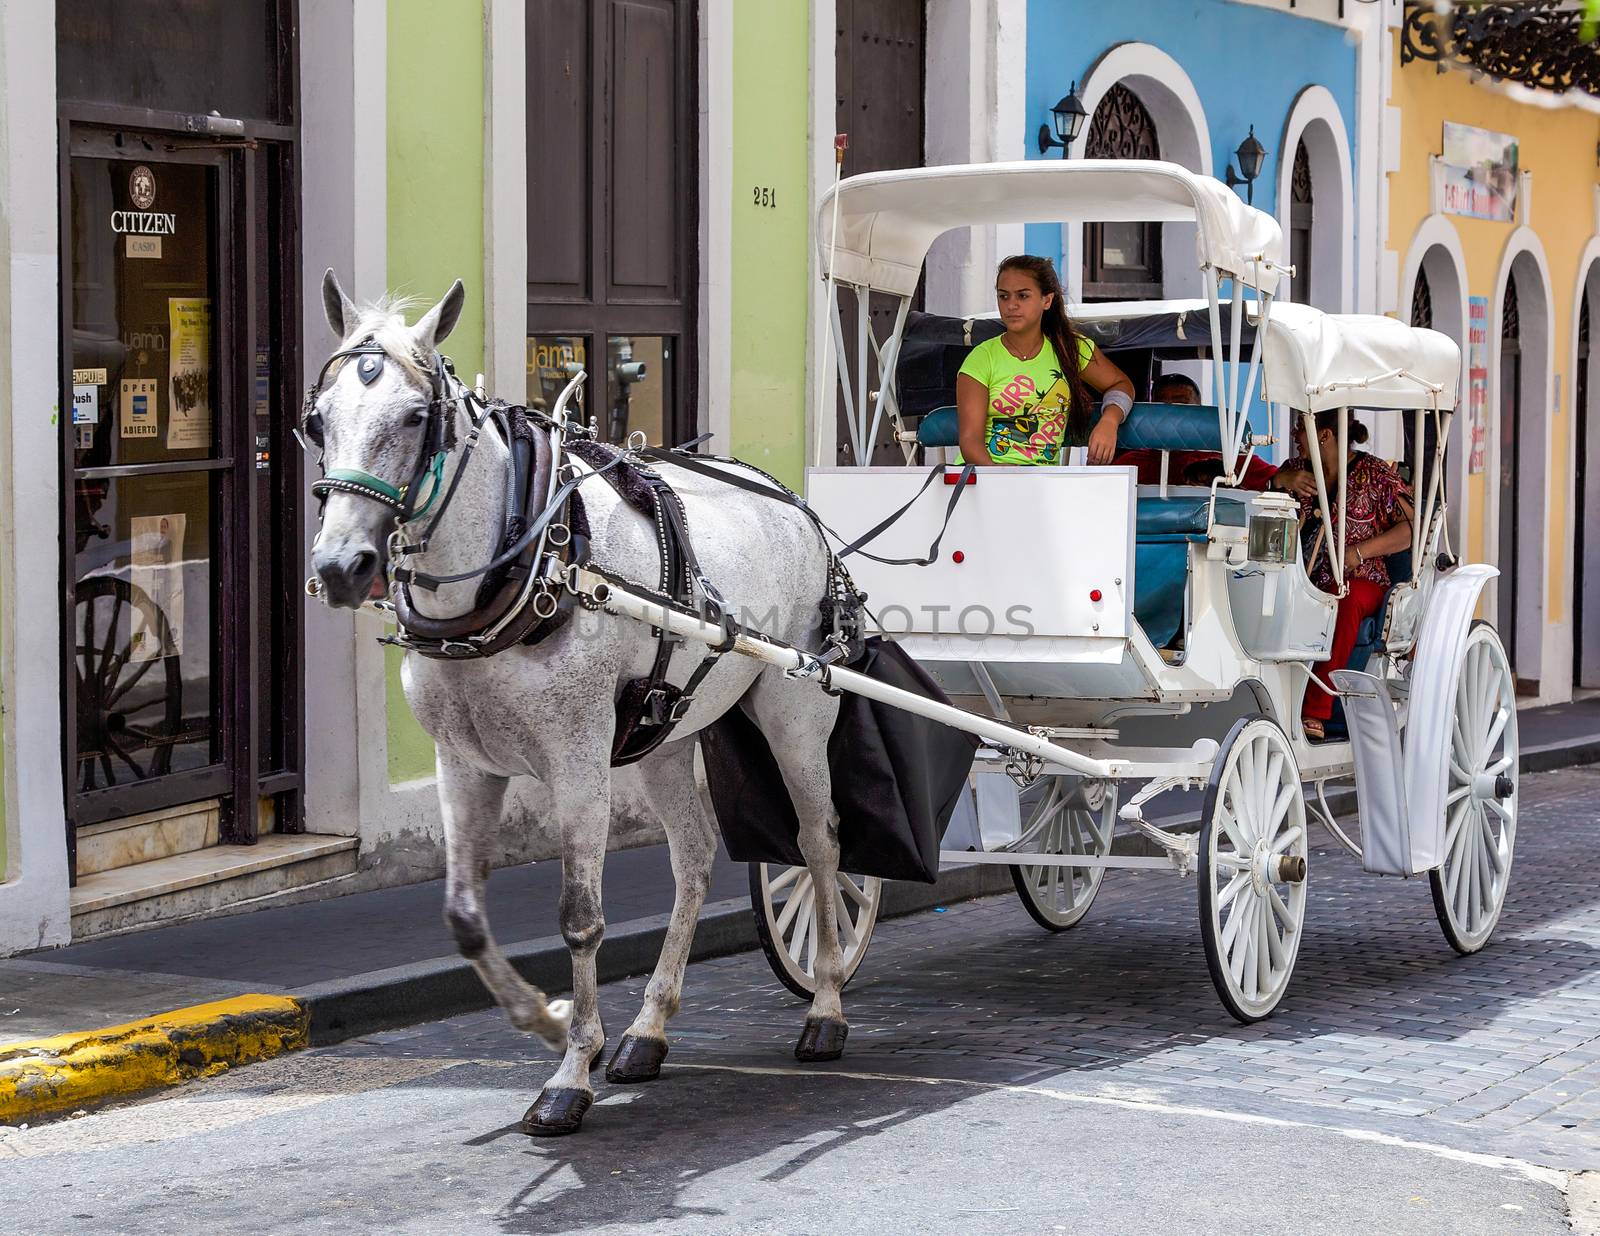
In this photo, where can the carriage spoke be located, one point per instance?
(847, 929)
(1263, 932)
(1234, 830)
(1491, 846)
(800, 897)
(1280, 907)
(1499, 766)
(1280, 808)
(1500, 809)
(1232, 889)
(1275, 950)
(786, 879)
(1501, 716)
(1288, 839)
(1456, 795)
(856, 892)
(802, 930)
(1233, 945)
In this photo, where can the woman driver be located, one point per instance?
(1016, 401)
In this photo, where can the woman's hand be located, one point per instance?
(1103, 438)
(1354, 556)
(1296, 481)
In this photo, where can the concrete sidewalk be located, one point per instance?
(379, 959)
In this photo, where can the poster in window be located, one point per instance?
(189, 373)
(156, 569)
(1477, 380)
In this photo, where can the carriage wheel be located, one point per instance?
(1253, 869)
(785, 902)
(1469, 887)
(1059, 897)
(129, 712)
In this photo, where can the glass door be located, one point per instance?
(174, 336)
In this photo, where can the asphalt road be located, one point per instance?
(997, 1079)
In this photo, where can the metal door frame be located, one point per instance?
(234, 778)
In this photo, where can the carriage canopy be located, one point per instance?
(1315, 361)
(888, 220)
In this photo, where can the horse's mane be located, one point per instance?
(383, 321)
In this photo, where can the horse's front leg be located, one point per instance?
(692, 840)
(797, 725)
(470, 801)
(583, 796)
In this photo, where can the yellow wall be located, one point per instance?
(1558, 146)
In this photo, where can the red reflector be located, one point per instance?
(950, 478)
(1094, 594)
(958, 556)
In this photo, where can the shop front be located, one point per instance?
(176, 614)
(1495, 238)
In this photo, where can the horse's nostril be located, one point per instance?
(362, 563)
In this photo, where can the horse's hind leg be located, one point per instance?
(470, 801)
(797, 721)
(669, 782)
(582, 793)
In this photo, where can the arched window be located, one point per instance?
(1121, 261)
(1421, 315)
(1301, 213)
(1510, 462)
(1582, 607)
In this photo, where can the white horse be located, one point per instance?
(548, 711)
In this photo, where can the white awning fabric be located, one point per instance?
(888, 220)
(1313, 361)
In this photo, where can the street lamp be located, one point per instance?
(1068, 116)
(1251, 155)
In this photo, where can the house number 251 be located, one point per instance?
(764, 196)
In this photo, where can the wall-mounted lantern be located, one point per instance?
(1067, 116)
(1251, 155)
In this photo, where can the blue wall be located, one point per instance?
(1248, 64)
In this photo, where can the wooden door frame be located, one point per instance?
(234, 777)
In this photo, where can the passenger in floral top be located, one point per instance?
(1378, 524)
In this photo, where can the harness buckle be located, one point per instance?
(662, 708)
(457, 648)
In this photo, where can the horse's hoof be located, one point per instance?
(556, 1113)
(822, 1039)
(637, 1060)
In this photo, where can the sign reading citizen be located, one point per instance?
(144, 223)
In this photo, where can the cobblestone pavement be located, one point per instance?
(1384, 1028)
(997, 1078)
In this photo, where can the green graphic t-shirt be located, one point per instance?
(1028, 400)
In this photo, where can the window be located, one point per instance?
(1121, 260)
(1301, 214)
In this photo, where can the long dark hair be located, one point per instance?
(1063, 337)
(1329, 419)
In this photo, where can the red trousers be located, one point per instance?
(1360, 603)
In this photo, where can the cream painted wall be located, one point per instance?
(1558, 146)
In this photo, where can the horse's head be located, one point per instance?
(377, 414)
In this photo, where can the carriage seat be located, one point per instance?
(1149, 427)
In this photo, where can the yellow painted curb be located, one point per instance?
(70, 1071)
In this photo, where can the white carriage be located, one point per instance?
(1114, 643)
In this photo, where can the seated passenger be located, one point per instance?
(1017, 401)
(1188, 467)
(1378, 523)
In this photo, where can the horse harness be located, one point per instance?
(527, 591)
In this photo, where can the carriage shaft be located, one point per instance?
(805, 666)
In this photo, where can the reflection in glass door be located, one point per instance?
(143, 444)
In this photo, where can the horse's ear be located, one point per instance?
(341, 310)
(435, 326)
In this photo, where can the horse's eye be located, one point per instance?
(313, 429)
(415, 419)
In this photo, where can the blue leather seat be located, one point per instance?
(1150, 427)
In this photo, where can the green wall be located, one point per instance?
(435, 202)
(771, 286)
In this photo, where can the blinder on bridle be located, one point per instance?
(439, 439)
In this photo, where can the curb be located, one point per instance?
(68, 1071)
(448, 986)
